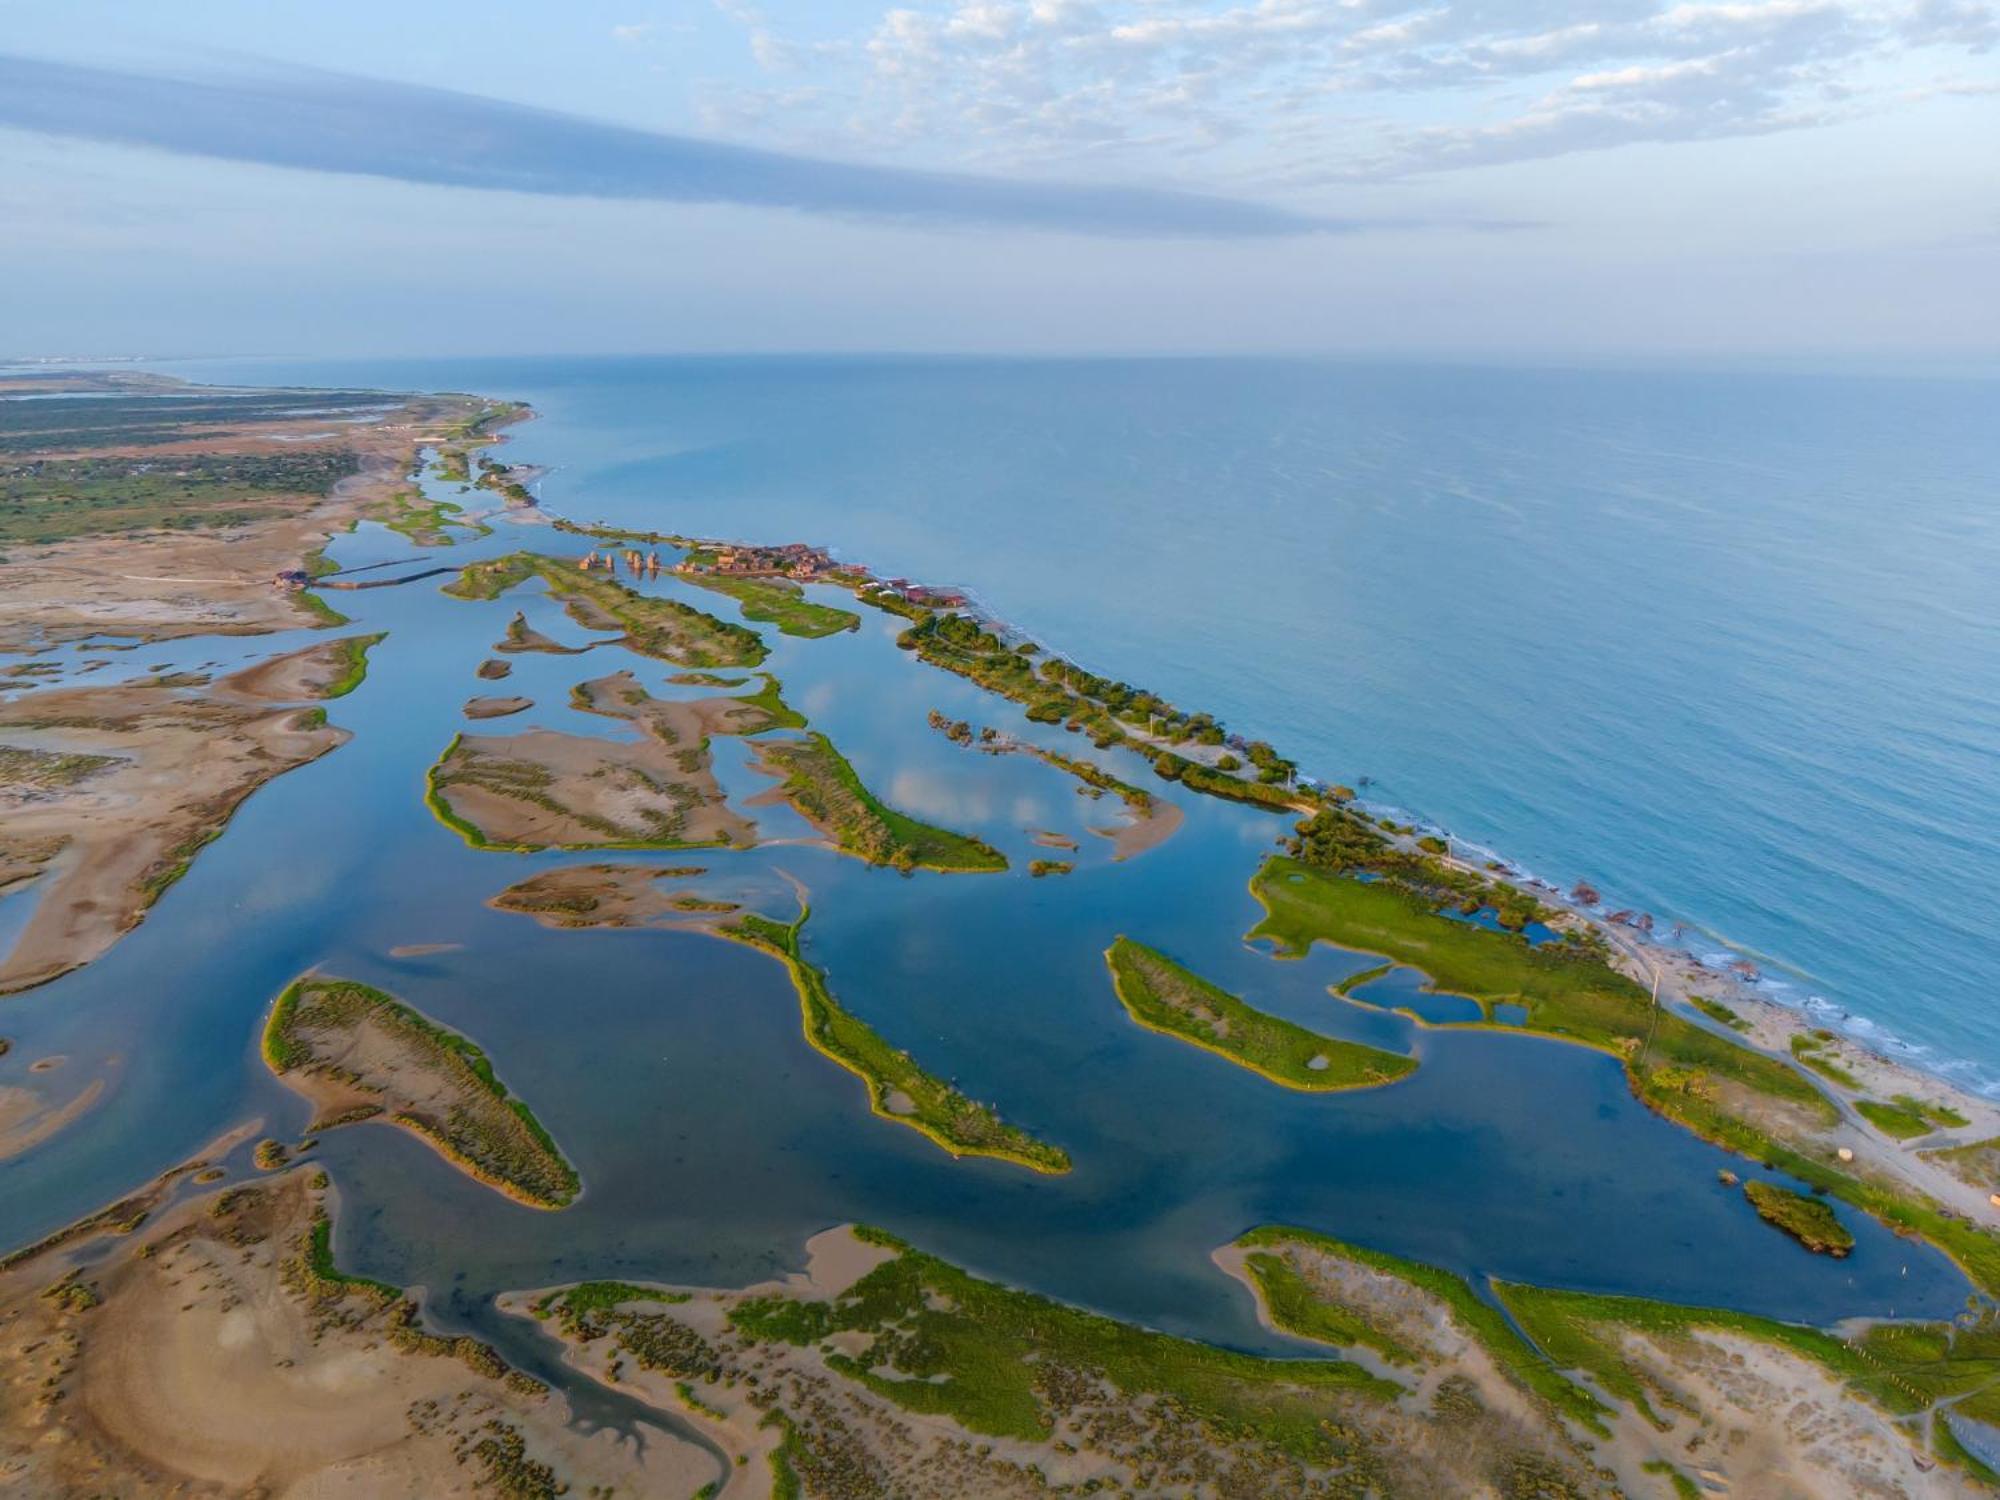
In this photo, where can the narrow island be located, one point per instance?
(611, 896)
(768, 600)
(817, 780)
(1803, 1217)
(1163, 996)
(496, 708)
(899, 1089)
(357, 1053)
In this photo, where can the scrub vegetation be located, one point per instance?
(1002, 1362)
(1806, 1219)
(1163, 996)
(819, 782)
(780, 602)
(347, 1044)
(51, 499)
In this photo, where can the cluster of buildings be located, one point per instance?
(916, 593)
(808, 564)
(635, 560)
(793, 560)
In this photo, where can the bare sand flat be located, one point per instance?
(611, 896)
(496, 708)
(543, 789)
(107, 793)
(208, 1354)
(1741, 1416)
(215, 580)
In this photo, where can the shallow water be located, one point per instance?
(713, 1141)
(1728, 646)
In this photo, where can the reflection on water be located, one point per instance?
(713, 1141)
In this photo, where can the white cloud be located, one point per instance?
(1298, 91)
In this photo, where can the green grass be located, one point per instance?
(1578, 999)
(485, 1130)
(938, 1110)
(777, 601)
(428, 523)
(1476, 1317)
(1715, 1010)
(1906, 1117)
(1568, 995)
(1904, 1368)
(49, 500)
(654, 625)
(1806, 1050)
(1163, 996)
(1894, 1119)
(947, 1342)
(325, 616)
(770, 698)
(826, 791)
(353, 654)
(1805, 1218)
(1684, 1487)
(1296, 1307)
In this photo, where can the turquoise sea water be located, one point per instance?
(1727, 646)
(1179, 526)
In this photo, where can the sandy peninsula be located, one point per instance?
(218, 1349)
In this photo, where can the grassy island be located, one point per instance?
(1806, 1219)
(347, 1046)
(1742, 1100)
(898, 1089)
(654, 626)
(779, 602)
(818, 781)
(351, 653)
(1163, 996)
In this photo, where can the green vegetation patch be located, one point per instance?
(1715, 1010)
(1294, 1305)
(780, 602)
(898, 1088)
(1163, 996)
(998, 1360)
(441, 1085)
(824, 788)
(22, 766)
(1805, 1218)
(353, 662)
(428, 523)
(654, 625)
(48, 500)
(1474, 1315)
(1568, 994)
(1906, 1117)
(1807, 1050)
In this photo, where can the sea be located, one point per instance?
(1726, 646)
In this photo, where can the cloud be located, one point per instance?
(329, 122)
(1296, 92)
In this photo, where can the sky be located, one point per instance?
(1812, 182)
